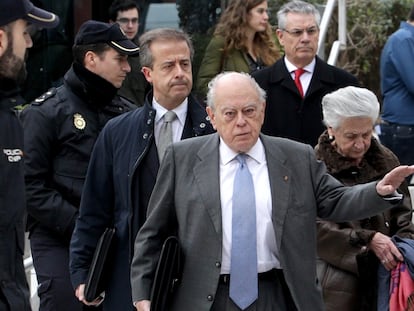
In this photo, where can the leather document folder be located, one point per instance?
(167, 275)
(97, 278)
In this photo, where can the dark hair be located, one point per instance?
(119, 6)
(7, 29)
(5, 69)
(411, 15)
(79, 51)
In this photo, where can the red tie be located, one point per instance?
(298, 73)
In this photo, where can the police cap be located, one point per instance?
(12, 10)
(92, 32)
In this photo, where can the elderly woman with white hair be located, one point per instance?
(349, 253)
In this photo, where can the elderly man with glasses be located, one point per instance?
(296, 83)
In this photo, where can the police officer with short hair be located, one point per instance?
(60, 129)
(16, 16)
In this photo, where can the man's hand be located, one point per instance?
(391, 181)
(143, 305)
(80, 293)
(385, 250)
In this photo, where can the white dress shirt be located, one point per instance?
(306, 77)
(266, 238)
(177, 124)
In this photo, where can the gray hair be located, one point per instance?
(160, 34)
(211, 94)
(349, 102)
(299, 7)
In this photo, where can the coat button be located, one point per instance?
(210, 297)
(218, 264)
(145, 136)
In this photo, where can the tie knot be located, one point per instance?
(169, 116)
(241, 157)
(299, 72)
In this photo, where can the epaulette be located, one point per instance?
(45, 96)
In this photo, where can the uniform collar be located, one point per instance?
(10, 94)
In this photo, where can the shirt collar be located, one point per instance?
(180, 110)
(308, 68)
(227, 155)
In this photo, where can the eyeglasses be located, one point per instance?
(299, 32)
(126, 21)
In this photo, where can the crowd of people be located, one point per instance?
(266, 169)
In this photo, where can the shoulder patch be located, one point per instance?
(45, 96)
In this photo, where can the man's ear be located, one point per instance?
(210, 113)
(146, 71)
(90, 60)
(279, 34)
(3, 42)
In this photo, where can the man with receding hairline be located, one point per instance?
(196, 198)
(296, 83)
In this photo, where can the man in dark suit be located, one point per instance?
(193, 199)
(125, 161)
(289, 113)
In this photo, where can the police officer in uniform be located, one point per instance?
(125, 161)
(15, 18)
(60, 130)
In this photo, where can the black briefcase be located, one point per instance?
(102, 258)
(167, 275)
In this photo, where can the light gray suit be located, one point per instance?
(186, 200)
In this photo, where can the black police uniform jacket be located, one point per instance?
(120, 179)
(14, 291)
(61, 128)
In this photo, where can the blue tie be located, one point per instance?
(243, 270)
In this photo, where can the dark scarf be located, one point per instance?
(10, 90)
(96, 90)
(8, 87)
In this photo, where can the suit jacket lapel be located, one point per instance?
(208, 179)
(280, 184)
(320, 74)
(281, 75)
